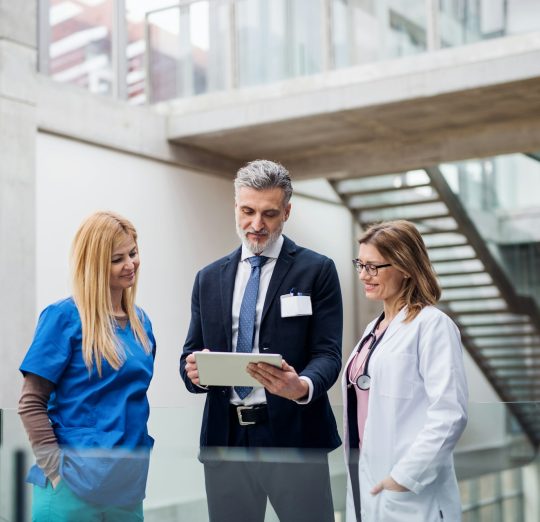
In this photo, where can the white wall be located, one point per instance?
(328, 229)
(185, 220)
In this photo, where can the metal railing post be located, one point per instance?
(147, 50)
(433, 37)
(119, 48)
(19, 500)
(43, 36)
(328, 50)
(232, 72)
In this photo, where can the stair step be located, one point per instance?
(515, 364)
(469, 272)
(535, 346)
(455, 259)
(471, 285)
(498, 335)
(470, 299)
(425, 218)
(448, 245)
(499, 356)
(477, 312)
(397, 204)
(496, 320)
(374, 192)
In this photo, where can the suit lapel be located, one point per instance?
(283, 264)
(227, 277)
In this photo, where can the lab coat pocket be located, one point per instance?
(399, 495)
(396, 376)
(402, 503)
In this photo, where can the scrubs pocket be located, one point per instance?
(396, 376)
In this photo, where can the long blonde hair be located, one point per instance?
(91, 268)
(400, 243)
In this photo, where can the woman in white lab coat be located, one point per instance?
(404, 388)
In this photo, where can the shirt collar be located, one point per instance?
(272, 252)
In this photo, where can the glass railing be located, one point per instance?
(500, 196)
(80, 49)
(466, 21)
(492, 448)
(215, 45)
(153, 50)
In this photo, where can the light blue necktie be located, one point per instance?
(246, 321)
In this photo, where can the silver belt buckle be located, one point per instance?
(239, 410)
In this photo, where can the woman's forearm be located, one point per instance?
(33, 412)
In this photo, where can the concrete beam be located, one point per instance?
(71, 112)
(405, 113)
(412, 151)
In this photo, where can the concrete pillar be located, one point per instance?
(18, 24)
(17, 189)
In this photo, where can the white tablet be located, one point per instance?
(229, 368)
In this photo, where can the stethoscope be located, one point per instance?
(364, 381)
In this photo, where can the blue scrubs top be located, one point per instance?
(100, 422)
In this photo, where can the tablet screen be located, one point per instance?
(229, 368)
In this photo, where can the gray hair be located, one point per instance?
(264, 175)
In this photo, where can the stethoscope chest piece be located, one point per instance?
(363, 382)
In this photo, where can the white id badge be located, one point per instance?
(295, 305)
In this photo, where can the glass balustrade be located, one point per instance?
(500, 195)
(156, 50)
(80, 44)
(492, 450)
(467, 21)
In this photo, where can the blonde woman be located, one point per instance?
(86, 374)
(404, 388)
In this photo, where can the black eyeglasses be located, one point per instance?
(372, 270)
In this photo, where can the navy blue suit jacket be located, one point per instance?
(311, 344)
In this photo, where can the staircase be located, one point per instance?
(500, 329)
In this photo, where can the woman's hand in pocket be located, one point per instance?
(389, 484)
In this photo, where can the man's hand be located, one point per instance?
(191, 368)
(283, 381)
(390, 484)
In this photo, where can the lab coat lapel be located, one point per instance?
(283, 264)
(396, 324)
(227, 279)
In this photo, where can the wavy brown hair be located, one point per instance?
(91, 268)
(400, 243)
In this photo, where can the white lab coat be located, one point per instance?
(417, 412)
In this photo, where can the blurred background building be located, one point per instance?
(420, 109)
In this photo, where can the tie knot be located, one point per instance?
(257, 261)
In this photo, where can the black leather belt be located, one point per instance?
(249, 415)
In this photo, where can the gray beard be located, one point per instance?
(257, 248)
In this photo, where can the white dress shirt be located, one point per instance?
(257, 395)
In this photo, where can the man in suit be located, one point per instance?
(236, 306)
